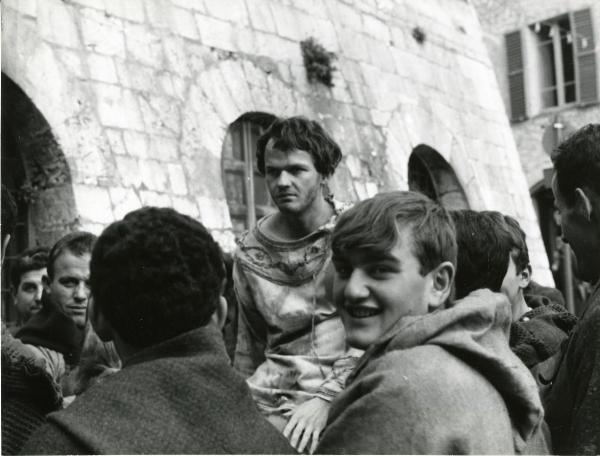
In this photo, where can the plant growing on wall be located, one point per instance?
(318, 62)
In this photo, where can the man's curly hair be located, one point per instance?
(29, 260)
(156, 274)
(303, 134)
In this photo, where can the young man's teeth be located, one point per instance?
(361, 312)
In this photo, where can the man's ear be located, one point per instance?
(442, 278)
(219, 316)
(583, 203)
(525, 277)
(101, 325)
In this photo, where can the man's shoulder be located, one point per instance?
(51, 438)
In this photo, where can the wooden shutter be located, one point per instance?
(516, 79)
(585, 56)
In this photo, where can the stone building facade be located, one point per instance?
(137, 100)
(545, 54)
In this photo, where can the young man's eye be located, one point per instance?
(28, 288)
(343, 271)
(69, 283)
(380, 271)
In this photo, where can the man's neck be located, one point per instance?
(521, 309)
(291, 226)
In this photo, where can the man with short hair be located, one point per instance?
(573, 403)
(157, 279)
(493, 254)
(26, 275)
(436, 377)
(58, 329)
(291, 342)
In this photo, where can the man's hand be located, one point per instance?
(306, 423)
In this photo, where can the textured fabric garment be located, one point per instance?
(29, 392)
(291, 342)
(539, 334)
(177, 397)
(573, 402)
(443, 383)
(50, 328)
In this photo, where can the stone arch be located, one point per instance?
(414, 124)
(430, 174)
(43, 183)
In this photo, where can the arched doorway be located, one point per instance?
(430, 174)
(247, 195)
(36, 172)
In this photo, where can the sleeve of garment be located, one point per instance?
(585, 424)
(341, 369)
(51, 439)
(252, 328)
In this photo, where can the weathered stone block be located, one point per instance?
(150, 198)
(154, 175)
(177, 179)
(183, 23)
(132, 10)
(136, 144)
(376, 28)
(115, 141)
(102, 68)
(186, 206)
(288, 21)
(216, 92)
(93, 204)
(277, 48)
(124, 200)
(102, 34)
(129, 170)
(225, 238)
(261, 17)
(56, 23)
(160, 115)
(214, 213)
(26, 7)
(194, 5)
(233, 73)
(71, 61)
(231, 10)
(117, 107)
(158, 13)
(144, 45)
(163, 148)
(216, 33)
(175, 54)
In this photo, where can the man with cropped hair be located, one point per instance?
(26, 275)
(291, 343)
(573, 403)
(437, 377)
(157, 279)
(493, 254)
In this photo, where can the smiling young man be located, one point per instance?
(573, 403)
(291, 342)
(26, 280)
(435, 379)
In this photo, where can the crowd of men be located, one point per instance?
(391, 325)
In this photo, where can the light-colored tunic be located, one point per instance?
(291, 343)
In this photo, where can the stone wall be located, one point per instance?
(139, 95)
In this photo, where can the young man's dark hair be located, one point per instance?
(156, 274)
(577, 162)
(483, 251)
(78, 243)
(29, 260)
(303, 134)
(157, 277)
(519, 252)
(372, 224)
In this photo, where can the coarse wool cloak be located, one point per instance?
(442, 383)
(177, 397)
(573, 402)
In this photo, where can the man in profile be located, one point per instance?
(573, 403)
(157, 279)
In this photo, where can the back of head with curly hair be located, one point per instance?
(156, 274)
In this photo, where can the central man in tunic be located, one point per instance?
(291, 343)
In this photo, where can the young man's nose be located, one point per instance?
(38, 293)
(356, 288)
(283, 180)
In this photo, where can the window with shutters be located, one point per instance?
(552, 63)
(246, 191)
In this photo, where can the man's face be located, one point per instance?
(513, 284)
(581, 234)
(293, 181)
(373, 291)
(28, 295)
(69, 288)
